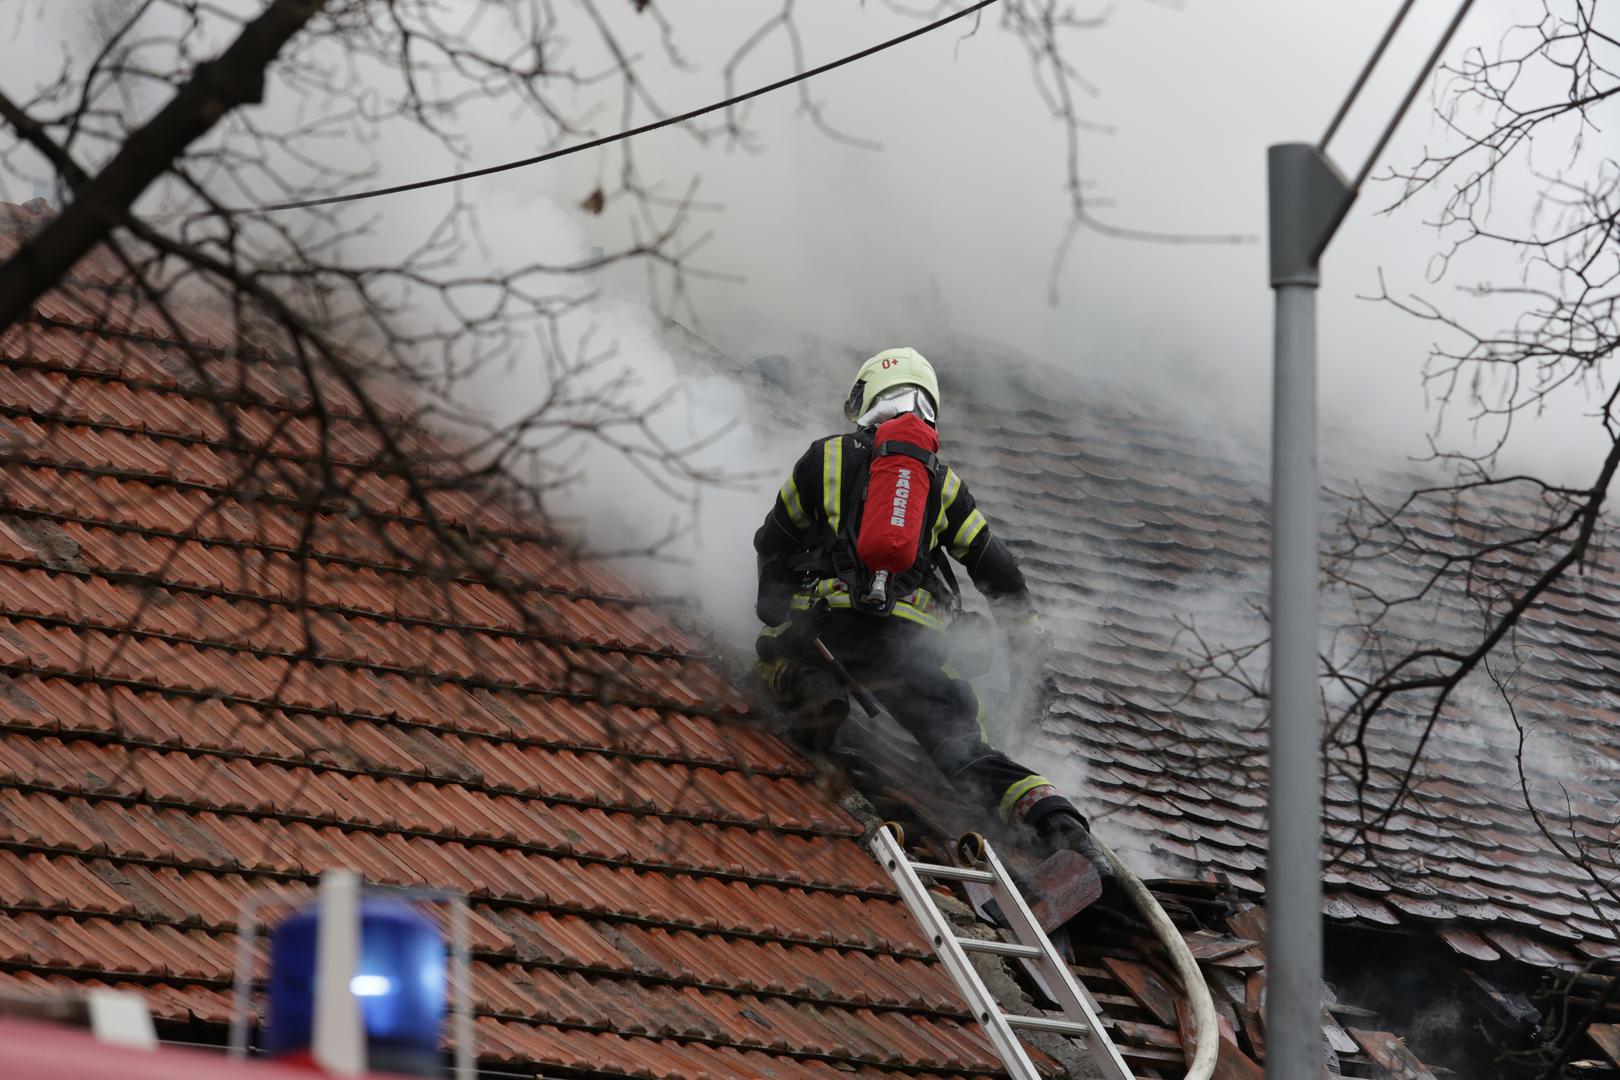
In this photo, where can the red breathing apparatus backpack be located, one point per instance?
(894, 512)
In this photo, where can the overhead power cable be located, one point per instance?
(668, 121)
(1406, 102)
(1366, 73)
(1411, 94)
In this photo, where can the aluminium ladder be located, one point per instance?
(1081, 1021)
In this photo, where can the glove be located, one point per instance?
(794, 635)
(1065, 828)
(1027, 637)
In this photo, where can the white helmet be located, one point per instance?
(894, 381)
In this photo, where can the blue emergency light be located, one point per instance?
(398, 984)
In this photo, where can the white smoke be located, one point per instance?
(950, 232)
(951, 228)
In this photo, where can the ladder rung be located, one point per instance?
(953, 873)
(1028, 942)
(1046, 1023)
(999, 948)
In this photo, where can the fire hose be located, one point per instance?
(1206, 1034)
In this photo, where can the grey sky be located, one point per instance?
(965, 202)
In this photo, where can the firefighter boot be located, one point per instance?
(1058, 825)
(819, 706)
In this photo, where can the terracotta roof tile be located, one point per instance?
(168, 743)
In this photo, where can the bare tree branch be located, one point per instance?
(215, 87)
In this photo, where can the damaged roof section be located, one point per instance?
(1142, 526)
(209, 686)
(1143, 532)
(1143, 536)
(1120, 962)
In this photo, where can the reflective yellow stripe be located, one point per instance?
(921, 618)
(795, 507)
(1009, 799)
(915, 608)
(770, 672)
(835, 597)
(921, 599)
(832, 478)
(830, 586)
(970, 528)
(948, 494)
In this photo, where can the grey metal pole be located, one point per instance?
(1308, 199)
(1293, 881)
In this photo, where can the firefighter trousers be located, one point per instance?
(903, 665)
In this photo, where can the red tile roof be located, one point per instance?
(656, 889)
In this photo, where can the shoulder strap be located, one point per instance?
(859, 475)
(929, 459)
(854, 496)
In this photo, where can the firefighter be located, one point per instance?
(887, 633)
